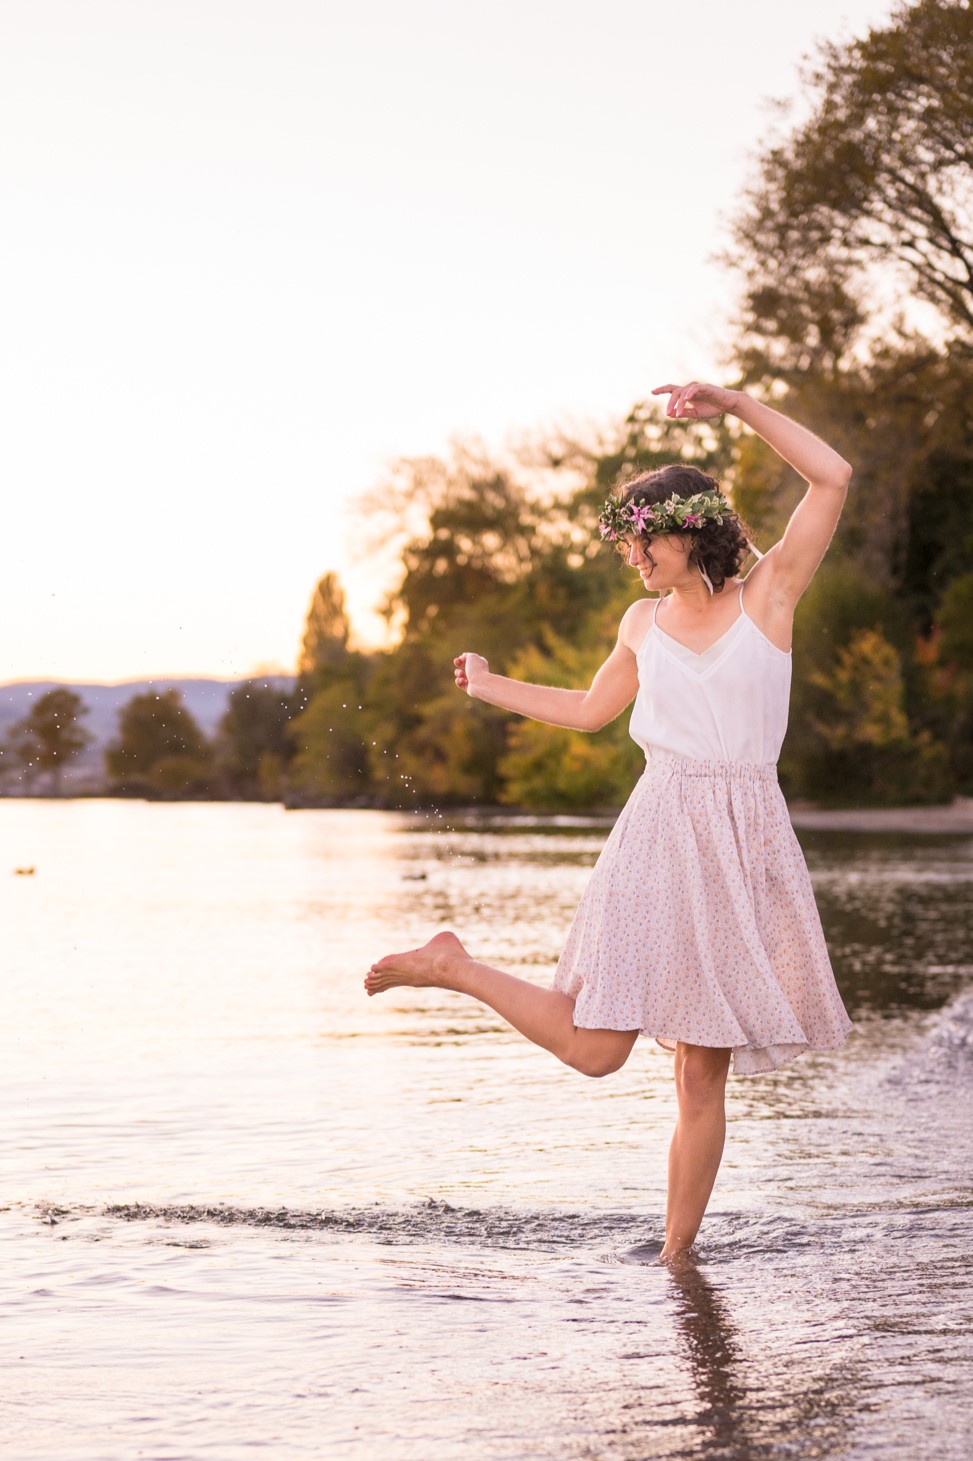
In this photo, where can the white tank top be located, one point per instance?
(727, 704)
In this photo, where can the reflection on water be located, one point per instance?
(897, 916)
(246, 1206)
(715, 1361)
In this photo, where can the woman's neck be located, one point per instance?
(695, 600)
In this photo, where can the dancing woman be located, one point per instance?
(698, 926)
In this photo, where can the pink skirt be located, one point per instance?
(699, 923)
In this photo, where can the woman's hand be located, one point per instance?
(697, 401)
(468, 668)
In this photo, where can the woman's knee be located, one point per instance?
(602, 1055)
(700, 1076)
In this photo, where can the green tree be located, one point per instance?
(955, 620)
(254, 746)
(861, 208)
(841, 603)
(866, 729)
(326, 629)
(329, 739)
(50, 736)
(327, 733)
(948, 683)
(18, 755)
(865, 692)
(855, 249)
(466, 573)
(160, 750)
(867, 202)
(547, 766)
(476, 547)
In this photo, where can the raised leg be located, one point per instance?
(545, 1016)
(697, 1144)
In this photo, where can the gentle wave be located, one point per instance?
(609, 1236)
(953, 1031)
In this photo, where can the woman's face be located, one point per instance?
(661, 562)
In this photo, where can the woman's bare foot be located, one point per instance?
(430, 966)
(678, 1258)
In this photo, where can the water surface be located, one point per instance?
(245, 1209)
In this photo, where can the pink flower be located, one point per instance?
(692, 520)
(643, 518)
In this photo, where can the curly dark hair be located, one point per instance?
(720, 549)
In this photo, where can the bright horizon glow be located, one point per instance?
(256, 252)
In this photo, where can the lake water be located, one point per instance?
(246, 1210)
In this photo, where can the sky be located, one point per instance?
(254, 251)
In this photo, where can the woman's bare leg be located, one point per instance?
(545, 1016)
(697, 1144)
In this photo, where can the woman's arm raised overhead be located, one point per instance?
(613, 687)
(790, 565)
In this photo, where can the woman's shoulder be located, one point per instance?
(636, 622)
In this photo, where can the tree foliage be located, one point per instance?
(956, 625)
(326, 631)
(160, 751)
(254, 745)
(547, 766)
(869, 201)
(48, 738)
(328, 737)
(855, 250)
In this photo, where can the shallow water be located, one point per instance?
(247, 1209)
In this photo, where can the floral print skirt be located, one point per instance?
(699, 923)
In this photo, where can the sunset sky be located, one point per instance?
(257, 249)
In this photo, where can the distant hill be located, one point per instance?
(205, 699)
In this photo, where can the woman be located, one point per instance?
(698, 926)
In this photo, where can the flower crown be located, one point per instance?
(676, 515)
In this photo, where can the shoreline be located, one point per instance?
(956, 817)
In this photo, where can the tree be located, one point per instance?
(547, 766)
(50, 736)
(868, 202)
(862, 210)
(865, 692)
(478, 543)
(253, 741)
(867, 731)
(327, 756)
(947, 677)
(329, 739)
(18, 755)
(160, 750)
(956, 624)
(326, 629)
(855, 249)
(468, 545)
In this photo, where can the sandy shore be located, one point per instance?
(956, 817)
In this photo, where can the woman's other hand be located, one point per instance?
(467, 669)
(697, 401)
